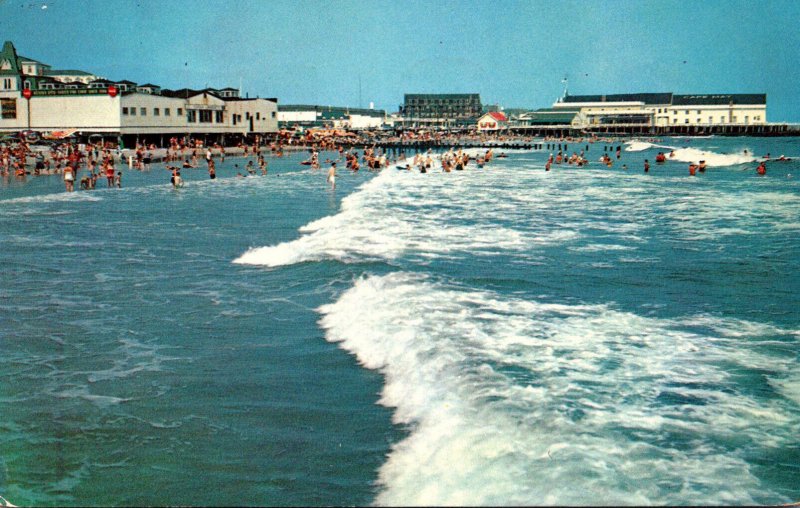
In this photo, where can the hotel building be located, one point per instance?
(441, 109)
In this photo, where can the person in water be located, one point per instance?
(762, 168)
(646, 166)
(332, 175)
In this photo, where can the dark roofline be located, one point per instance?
(72, 72)
(719, 99)
(647, 98)
(235, 99)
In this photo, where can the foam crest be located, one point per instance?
(509, 401)
(713, 159)
(433, 215)
(60, 197)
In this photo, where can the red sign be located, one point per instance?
(27, 93)
(112, 91)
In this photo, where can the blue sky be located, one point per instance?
(514, 53)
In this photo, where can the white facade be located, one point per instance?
(143, 113)
(665, 115)
(69, 77)
(591, 113)
(297, 116)
(736, 114)
(489, 122)
(253, 115)
(137, 113)
(365, 122)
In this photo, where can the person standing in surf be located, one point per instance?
(332, 175)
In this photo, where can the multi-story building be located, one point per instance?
(87, 104)
(441, 109)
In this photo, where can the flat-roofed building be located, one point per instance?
(304, 115)
(718, 109)
(441, 108)
(667, 109)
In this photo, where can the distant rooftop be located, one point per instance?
(647, 98)
(719, 99)
(30, 60)
(58, 72)
(339, 110)
(443, 96)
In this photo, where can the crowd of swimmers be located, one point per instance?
(184, 153)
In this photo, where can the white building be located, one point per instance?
(295, 115)
(666, 109)
(718, 109)
(122, 108)
(492, 121)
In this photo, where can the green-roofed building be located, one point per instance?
(550, 116)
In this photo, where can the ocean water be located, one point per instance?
(497, 336)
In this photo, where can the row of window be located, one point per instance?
(412, 102)
(191, 115)
(722, 120)
(131, 111)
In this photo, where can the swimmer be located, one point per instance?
(176, 180)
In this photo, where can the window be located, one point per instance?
(674, 120)
(687, 111)
(180, 111)
(143, 111)
(686, 121)
(191, 116)
(220, 118)
(247, 115)
(133, 111)
(166, 111)
(156, 112)
(674, 111)
(205, 116)
(234, 119)
(273, 114)
(699, 112)
(7, 84)
(722, 119)
(258, 116)
(125, 111)
(746, 119)
(710, 119)
(8, 109)
(733, 120)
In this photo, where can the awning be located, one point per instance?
(59, 134)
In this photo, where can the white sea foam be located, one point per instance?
(712, 159)
(54, 198)
(511, 401)
(430, 215)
